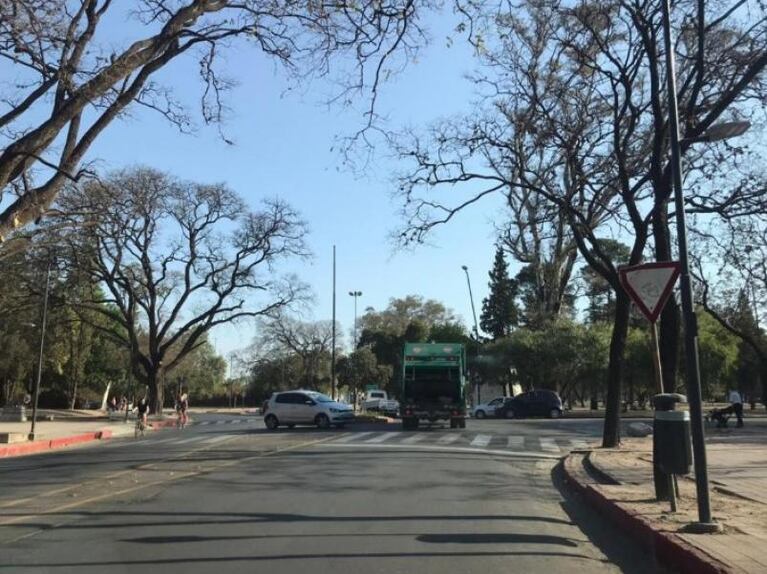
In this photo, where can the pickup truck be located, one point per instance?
(379, 401)
(433, 378)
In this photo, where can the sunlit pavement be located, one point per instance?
(230, 496)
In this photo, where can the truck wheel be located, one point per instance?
(555, 413)
(480, 414)
(462, 423)
(409, 423)
(322, 421)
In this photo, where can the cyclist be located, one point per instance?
(182, 404)
(143, 410)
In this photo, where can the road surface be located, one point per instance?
(225, 495)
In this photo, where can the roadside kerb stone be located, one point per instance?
(669, 549)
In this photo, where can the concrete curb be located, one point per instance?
(23, 449)
(669, 549)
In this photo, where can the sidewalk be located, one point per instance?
(619, 482)
(73, 428)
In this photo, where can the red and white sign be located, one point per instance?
(649, 285)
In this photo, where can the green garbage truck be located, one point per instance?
(433, 377)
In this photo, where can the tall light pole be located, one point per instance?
(333, 336)
(355, 294)
(705, 522)
(474, 313)
(31, 435)
(471, 299)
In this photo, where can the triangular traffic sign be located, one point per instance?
(649, 285)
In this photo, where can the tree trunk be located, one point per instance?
(73, 394)
(156, 392)
(763, 377)
(669, 332)
(611, 436)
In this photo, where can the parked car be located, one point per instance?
(487, 409)
(541, 403)
(291, 408)
(379, 401)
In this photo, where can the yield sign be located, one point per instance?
(649, 285)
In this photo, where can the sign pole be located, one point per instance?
(656, 356)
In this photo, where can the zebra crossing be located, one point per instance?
(464, 440)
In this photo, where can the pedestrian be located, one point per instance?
(736, 400)
(113, 404)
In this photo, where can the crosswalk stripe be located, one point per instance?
(449, 438)
(579, 443)
(190, 439)
(220, 422)
(353, 436)
(233, 421)
(481, 440)
(549, 445)
(515, 442)
(412, 439)
(217, 439)
(204, 422)
(382, 437)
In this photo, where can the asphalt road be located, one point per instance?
(226, 495)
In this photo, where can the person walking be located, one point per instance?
(736, 400)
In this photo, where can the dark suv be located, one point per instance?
(531, 404)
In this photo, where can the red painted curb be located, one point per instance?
(43, 445)
(669, 549)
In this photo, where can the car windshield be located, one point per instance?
(320, 398)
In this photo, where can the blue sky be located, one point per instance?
(283, 147)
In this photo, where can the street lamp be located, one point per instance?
(355, 294)
(471, 299)
(474, 313)
(705, 522)
(31, 435)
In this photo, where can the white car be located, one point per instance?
(291, 408)
(487, 409)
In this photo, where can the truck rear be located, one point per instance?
(432, 384)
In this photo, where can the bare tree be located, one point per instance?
(310, 341)
(70, 83)
(576, 113)
(172, 260)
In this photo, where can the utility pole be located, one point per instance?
(692, 372)
(333, 338)
(476, 327)
(31, 435)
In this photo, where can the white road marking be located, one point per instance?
(481, 440)
(580, 443)
(217, 439)
(382, 437)
(354, 436)
(449, 438)
(204, 422)
(220, 422)
(190, 439)
(435, 448)
(412, 439)
(515, 442)
(549, 445)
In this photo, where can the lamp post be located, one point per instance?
(355, 294)
(705, 522)
(474, 314)
(31, 435)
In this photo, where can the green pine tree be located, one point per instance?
(499, 308)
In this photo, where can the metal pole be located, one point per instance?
(688, 310)
(31, 435)
(333, 341)
(471, 299)
(476, 327)
(656, 356)
(355, 319)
